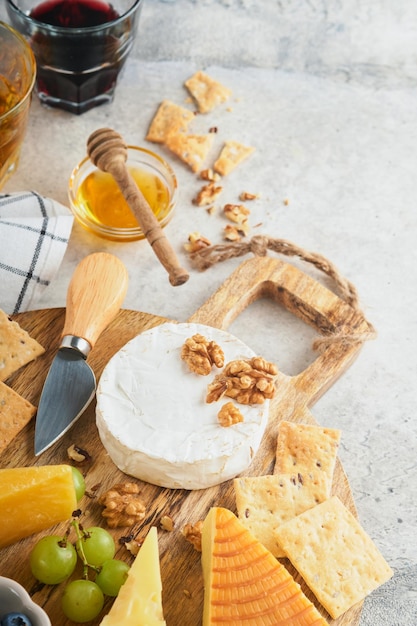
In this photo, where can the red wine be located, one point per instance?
(74, 13)
(77, 69)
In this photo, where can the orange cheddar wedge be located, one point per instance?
(244, 584)
(34, 499)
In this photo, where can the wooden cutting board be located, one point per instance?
(180, 563)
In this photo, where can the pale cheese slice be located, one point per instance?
(139, 601)
(153, 418)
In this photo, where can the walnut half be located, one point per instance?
(201, 354)
(249, 381)
(123, 506)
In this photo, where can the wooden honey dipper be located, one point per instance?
(108, 152)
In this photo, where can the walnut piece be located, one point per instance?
(78, 454)
(246, 195)
(231, 233)
(123, 506)
(201, 354)
(229, 414)
(209, 174)
(196, 242)
(249, 381)
(167, 523)
(131, 544)
(192, 533)
(207, 194)
(237, 213)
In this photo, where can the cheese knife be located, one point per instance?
(94, 297)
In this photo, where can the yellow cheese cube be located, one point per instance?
(139, 602)
(33, 499)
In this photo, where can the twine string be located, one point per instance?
(259, 246)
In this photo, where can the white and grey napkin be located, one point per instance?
(34, 233)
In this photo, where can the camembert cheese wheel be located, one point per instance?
(153, 418)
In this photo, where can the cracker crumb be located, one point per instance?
(170, 118)
(207, 92)
(191, 149)
(231, 155)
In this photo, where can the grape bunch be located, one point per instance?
(54, 558)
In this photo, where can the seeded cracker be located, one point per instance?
(231, 155)
(206, 91)
(337, 559)
(17, 348)
(170, 118)
(192, 149)
(306, 450)
(15, 413)
(265, 502)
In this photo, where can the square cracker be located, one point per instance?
(191, 149)
(17, 347)
(170, 118)
(265, 502)
(207, 92)
(305, 449)
(15, 413)
(334, 555)
(231, 155)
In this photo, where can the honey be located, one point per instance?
(104, 203)
(99, 206)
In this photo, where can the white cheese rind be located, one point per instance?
(153, 419)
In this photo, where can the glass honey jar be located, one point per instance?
(98, 204)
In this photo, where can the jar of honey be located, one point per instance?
(98, 204)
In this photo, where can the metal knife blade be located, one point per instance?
(95, 294)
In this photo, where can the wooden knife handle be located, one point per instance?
(95, 295)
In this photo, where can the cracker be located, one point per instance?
(207, 92)
(265, 502)
(334, 555)
(307, 450)
(15, 413)
(17, 347)
(191, 149)
(231, 155)
(170, 118)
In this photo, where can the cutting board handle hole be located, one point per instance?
(277, 335)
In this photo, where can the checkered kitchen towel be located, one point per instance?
(34, 233)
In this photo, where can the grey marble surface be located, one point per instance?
(326, 92)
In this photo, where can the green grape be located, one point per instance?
(97, 547)
(111, 577)
(52, 560)
(82, 600)
(79, 483)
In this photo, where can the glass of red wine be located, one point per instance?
(80, 47)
